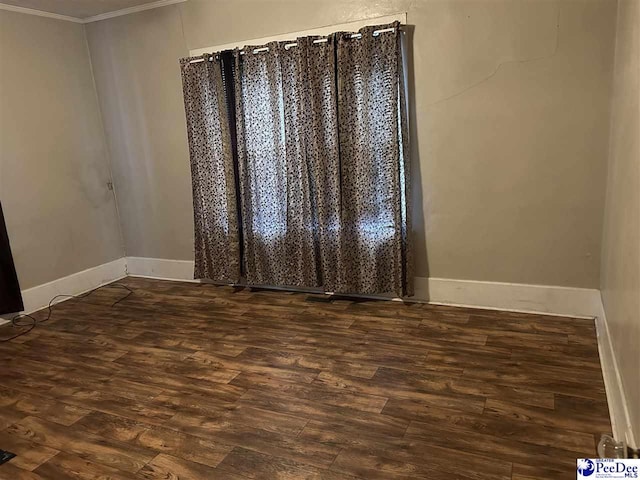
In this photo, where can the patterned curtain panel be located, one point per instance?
(276, 204)
(375, 162)
(289, 163)
(217, 242)
(314, 62)
(321, 162)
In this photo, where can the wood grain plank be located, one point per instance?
(29, 455)
(414, 459)
(158, 439)
(118, 455)
(539, 416)
(166, 466)
(28, 404)
(511, 446)
(66, 466)
(10, 471)
(250, 464)
(263, 441)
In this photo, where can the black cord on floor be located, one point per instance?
(18, 320)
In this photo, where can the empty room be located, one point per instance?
(319, 239)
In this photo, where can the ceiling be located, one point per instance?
(77, 8)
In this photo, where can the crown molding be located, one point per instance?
(39, 13)
(134, 9)
(94, 18)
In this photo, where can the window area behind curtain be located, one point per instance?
(307, 151)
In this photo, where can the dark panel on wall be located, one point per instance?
(10, 296)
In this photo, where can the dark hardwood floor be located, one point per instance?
(191, 381)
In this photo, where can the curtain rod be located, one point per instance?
(287, 46)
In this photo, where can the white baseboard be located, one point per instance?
(616, 398)
(39, 297)
(562, 301)
(160, 268)
(517, 297)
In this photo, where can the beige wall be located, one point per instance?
(621, 242)
(60, 216)
(511, 105)
(138, 81)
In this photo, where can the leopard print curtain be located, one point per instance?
(315, 63)
(322, 162)
(275, 201)
(217, 243)
(288, 162)
(374, 154)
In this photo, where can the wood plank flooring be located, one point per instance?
(195, 381)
